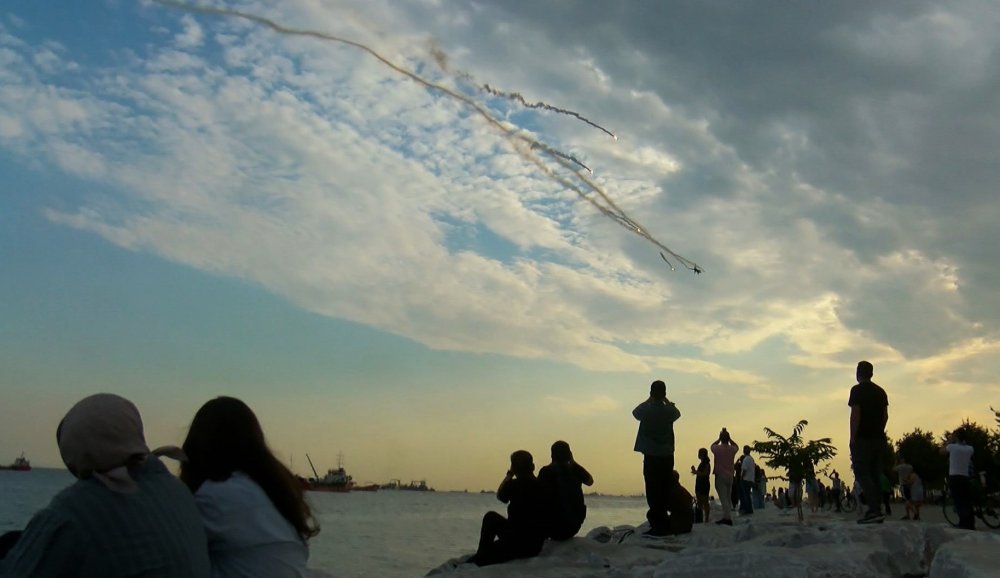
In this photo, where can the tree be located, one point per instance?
(792, 454)
(921, 451)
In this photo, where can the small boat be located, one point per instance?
(20, 464)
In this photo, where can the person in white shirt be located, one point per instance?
(959, 482)
(252, 506)
(748, 476)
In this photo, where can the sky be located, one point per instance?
(387, 263)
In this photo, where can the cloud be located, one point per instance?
(802, 158)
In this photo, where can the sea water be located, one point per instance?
(384, 534)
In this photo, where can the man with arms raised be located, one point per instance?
(655, 441)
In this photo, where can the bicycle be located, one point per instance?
(985, 506)
(848, 502)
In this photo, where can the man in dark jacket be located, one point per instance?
(522, 533)
(655, 441)
(562, 483)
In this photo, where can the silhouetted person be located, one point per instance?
(959, 479)
(869, 414)
(679, 501)
(702, 487)
(124, 516)
(655, 440)
(252, 506)
(724, 450)
(835, 488)
(522, 533)
(748, 476)
(562, 482)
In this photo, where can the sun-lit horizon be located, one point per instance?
(422, 235)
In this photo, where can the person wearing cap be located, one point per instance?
(125, 515)
(655, 441)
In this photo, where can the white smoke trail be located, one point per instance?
(523, 144)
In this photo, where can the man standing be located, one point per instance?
(959, 480)
(655, 441)
(724, 450)
(748, 474)
(835, 487)
(869, 414)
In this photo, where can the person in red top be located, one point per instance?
(869, 414)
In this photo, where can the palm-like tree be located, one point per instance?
(793, 454)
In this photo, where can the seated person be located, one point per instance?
(251, 505)
(522, 533)
(561, 483)
(124, 516)
(680, 505)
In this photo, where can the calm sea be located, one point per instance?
(381, 534)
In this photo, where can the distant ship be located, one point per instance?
(21, 464)
(414, 486)
(335, 480)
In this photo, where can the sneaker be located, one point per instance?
(872, 519)
(725, 522)
(651, 533)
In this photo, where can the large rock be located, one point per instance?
(762, 545)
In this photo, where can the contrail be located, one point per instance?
(516, 96)
(522, 143)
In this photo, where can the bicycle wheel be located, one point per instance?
(850, 503)
(948, 506)
(990, 512)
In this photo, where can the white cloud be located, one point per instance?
(314, 170)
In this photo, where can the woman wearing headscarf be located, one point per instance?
(252, 506)
(125, 516)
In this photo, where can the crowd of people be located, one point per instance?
(236, 511)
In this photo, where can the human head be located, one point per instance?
(724, 436)
(224, 436)
(658, 390)
(521, 463)
(746, 450)
(702, 454)
(676, 476)
(561, 453)
(100, 437)
(865, 371)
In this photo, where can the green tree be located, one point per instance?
(921, 451)
(798, 458)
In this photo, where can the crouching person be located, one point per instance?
(679, 504)
(562, 484)
(522, 533)
(124, 516)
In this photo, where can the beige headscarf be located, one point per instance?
(100, 437)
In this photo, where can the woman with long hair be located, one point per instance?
(252, 506)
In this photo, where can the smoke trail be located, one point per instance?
(516, 96)
(561, 154)
(524, 145)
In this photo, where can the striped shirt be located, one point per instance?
(88, 531)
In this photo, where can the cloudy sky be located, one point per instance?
(397, 270)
